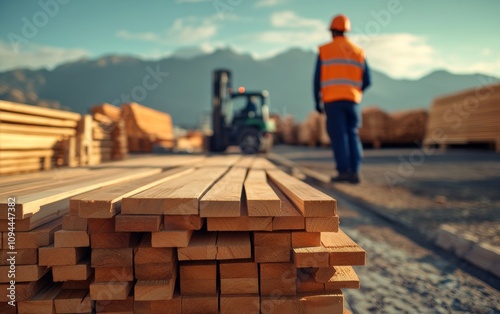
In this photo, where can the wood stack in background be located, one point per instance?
(469, 116)
(406, 127)
(290, 130)
(278, 123)
(34, 138)
(146, 127)
(373, 129)
(192, 142)
(217, 235)
(309, 130)
(114, 126)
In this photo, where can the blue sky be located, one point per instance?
(403, 38)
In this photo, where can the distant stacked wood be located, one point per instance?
(290, 130)
(278, 123)
(469, 116)
(34, 138)
(374, 127)
(146, 127)
(193, 141)
(223, 234)
(406, 127)
(309, 130)
(110, 126)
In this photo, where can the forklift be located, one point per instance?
(248, 126)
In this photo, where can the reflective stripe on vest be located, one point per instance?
(342, 67)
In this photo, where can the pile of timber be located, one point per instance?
(147, 128)
(469, 116)
(34, 138)
(193, 141)
(373, 129)
(211, 235)
(290, 130)
(406, 127)
(278, 123)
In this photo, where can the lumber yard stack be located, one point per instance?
(469, 116)
(147, 128)
(373, 129)
(290, 130)
(34, 138)
(223, 234)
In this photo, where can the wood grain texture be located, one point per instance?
(233, 245)
(239, 277)
(24, 273)
(113, 240)
(324, 274)
(154, 290)
(306, 239)
(289, 218)
(38, 237)
(66, 238)
(105, 202)
(202, 246)
(172, 306)
(224, 198)
(241, 223)
(73, 222)
(62, 256)
(175, 197)
(278, 278)
(26, 290)
(42, 302)
(344, 278)
(138, 223)
(240, 304)
(171, 238)
(105, 274)
(310, 202)
(200, 304)
(322, 224)
(73, 301)
(80, 271)
(112, 290)
(112, 257)
(342, 249)
(261, 199)
(116, 306)
(198, 278)
(23, 257)
(183, 222)
(311, 257)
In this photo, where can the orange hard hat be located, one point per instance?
(341, 23)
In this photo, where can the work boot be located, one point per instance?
(342, 177)
(354, 178)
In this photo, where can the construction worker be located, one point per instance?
(341, 76)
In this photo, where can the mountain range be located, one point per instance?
(182, 86)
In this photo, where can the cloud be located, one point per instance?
(269, 3)
(288, 19)
(183, 31)
(35, 56)
(486, 52)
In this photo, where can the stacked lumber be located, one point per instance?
(108, 110)
(469, 116)
(223, 234)
(34, 138)
(31, 236)
(193, 141)
(405, 127)
(309, 130)
(374, 126)
(146, 128)
(278, 123)
(290, 130)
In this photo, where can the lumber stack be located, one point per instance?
(406, 126)
(223, 234)
(278, 123)
(309, 130)
(290, 130)
(146, 128)
(374, 127)
(34, 138)
(193, 141)
(469, 116)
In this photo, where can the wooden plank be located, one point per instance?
(272, 247)
(342, 249)
(111, 290)
(310, 202)
(200, 304)
(171, 238)
(40, 236)
(24, 273)
(106, 274)
(138, 223)
(241, 223)
(183, 222)
(39, 111)
(198, 278)
(261, 198)
(277, 278)
(289, 218)
(112, 257)
(32, 129)
(42, 302)
(23, 257)
(77, 284)
(145, 253)
(30, 119)
(80, 271)
(306, 239)
(324, 274)
(72, 222)
(263, 164)
(105, 202)
(66, 238)
(52, 256)
(307, 257)
(172, 306)
(322, 224)
(98, 225)
(28, 204)
(25, 290)
(20, 141)
(224, 198)
(113, 240)
(116, 306)
(175, 197)
(240, 304)
(344, 278)
(238, 277)
(233, 245)
(155, 290)
(307, 284)
(202, 246)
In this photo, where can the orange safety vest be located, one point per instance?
(342, 66)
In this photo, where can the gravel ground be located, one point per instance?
(402, 276)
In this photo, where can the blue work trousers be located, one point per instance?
(342, 123)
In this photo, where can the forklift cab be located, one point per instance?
(239, 117)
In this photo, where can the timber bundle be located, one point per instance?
(186, 234)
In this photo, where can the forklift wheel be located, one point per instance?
(249, 141)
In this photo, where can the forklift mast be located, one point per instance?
(221, 93)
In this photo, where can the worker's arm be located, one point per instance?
(317, 85)
(367, 80)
